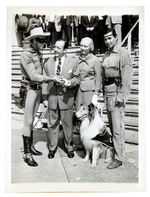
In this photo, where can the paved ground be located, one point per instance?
(62, 169)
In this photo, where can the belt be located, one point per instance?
(35, 86)
(111, 80)
(87, 79)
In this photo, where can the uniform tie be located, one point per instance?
(58, 67)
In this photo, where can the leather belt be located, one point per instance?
(35, 86)
(111, 80)
(87, 79)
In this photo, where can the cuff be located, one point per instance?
(119, 99)
(97, 93)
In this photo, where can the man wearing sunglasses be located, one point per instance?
(32, 74)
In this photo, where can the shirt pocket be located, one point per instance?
(111, 66)
(37, 63)
(111, 62)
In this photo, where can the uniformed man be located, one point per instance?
(60, 98)
(31, 69)
(117, 71)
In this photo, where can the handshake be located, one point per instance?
(59, 80)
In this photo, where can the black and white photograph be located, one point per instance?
(75, 98)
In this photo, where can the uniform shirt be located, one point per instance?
(31, 67)
(90, 69)
(118, 62)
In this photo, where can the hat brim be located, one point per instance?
(37, 36)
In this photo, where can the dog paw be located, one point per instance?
(93, 166)
(85, 159)
(107, 160)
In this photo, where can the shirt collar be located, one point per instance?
(85, 59)
(30, 49)
(115, 48)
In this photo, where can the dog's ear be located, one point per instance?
(91, 106)
(91, 111)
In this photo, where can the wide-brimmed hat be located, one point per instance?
(36, 33)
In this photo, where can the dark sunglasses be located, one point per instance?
(40, 40)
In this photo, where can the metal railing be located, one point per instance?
(129, 36)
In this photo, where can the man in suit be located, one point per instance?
(90, 29)
(61, 97)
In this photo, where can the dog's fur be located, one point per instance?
(92, 126)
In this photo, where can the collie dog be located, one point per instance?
(95, 135)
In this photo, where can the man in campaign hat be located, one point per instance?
(117, 78)
(32, 74)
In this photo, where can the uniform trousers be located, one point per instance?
(116, 123)
(32, 103)
(66, 117)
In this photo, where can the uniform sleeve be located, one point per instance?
(28, 65)
(75, 80)
(126, 75)
(45, 85)
(98, 76)
(102, 73)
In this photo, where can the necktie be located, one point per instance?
(58, 67)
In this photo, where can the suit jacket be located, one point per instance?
(90, 79)
(92, 23)
(58, 95)
(90, 73)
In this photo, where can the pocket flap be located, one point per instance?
(111, 88)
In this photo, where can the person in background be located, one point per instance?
(31, 68)
(67, 26)
(90, 29)
(57, 28)
(117, 72)
(60, 98)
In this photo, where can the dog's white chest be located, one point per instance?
(89, 130)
